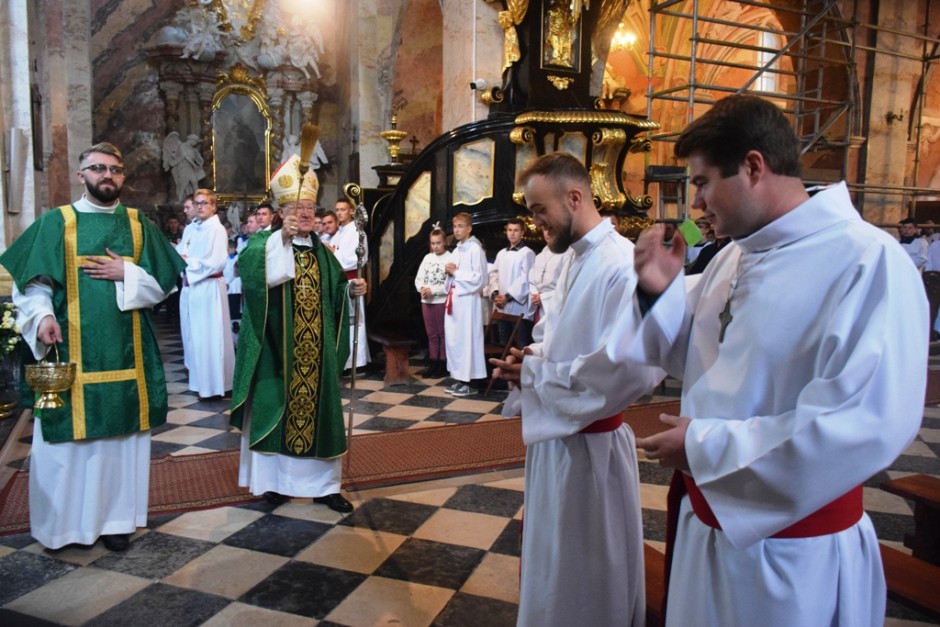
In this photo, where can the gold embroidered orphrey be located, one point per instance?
(304, 387)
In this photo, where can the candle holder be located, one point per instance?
(393, 136)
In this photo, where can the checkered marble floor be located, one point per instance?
(434, 553)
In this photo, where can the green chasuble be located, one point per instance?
(119, 386)
(293, 341)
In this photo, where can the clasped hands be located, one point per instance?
(510, 369)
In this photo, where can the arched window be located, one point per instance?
(770, 45)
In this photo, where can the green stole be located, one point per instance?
(293, 341)
(119, 385)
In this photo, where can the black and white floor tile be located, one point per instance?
(442, 553)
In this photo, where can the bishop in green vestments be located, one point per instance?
(291, 347)
(85, 276)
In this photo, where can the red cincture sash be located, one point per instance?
(449, 303)
(217, 275)
(603, 425)
(837, 516)
(350, 274)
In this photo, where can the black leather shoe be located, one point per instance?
(116, 542)
(275, 498)
(335, 502)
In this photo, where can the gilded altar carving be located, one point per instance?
(617, 118)
(631, 226)
(606, 136)
(561, 35)
(249, 19)
(602, 188)
(560, 82)
(522, 135)
(641, 144)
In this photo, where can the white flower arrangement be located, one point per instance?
(9, 331)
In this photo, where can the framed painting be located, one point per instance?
(241, 143)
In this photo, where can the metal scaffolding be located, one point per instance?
(822, 48)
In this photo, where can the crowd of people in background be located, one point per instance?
(922, 244)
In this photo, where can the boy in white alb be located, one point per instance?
(463, 319)
(512, 285)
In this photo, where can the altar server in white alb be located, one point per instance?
(189, 210)
(467, 275)
(582, 538)
(212, 359)
(344, 243)
(512, 284)
(802, 351)
(543, 276)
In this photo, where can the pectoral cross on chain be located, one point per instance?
(725, 317)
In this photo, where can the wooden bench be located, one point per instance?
(655, 564)
(396, 348)
(924, 491)
(911, 582)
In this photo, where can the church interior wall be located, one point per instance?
(419, 72)
(411, 57)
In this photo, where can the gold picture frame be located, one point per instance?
(241, 142)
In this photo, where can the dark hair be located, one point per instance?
(105, 148)
(517, 221)
(559, 167)
(911, 221)
(736, 125)
(265, 205)
(437, 231)
(331, 213)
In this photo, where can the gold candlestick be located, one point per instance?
(393, 137)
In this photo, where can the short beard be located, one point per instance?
(561, 240)
(102, 196)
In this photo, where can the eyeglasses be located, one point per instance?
(201, 203)
(100, 168)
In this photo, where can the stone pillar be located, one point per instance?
(191, 116)
(371, 85)
(205, 92)
(172, 90)
(67, 57)
(276, 107)
(19, 198)
(472, 49)
(893, 81)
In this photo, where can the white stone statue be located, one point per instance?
(295, 42)
(204, 37)
(185, 162)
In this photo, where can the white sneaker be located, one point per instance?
(463, 390)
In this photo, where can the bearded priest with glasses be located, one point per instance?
(85, 277)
